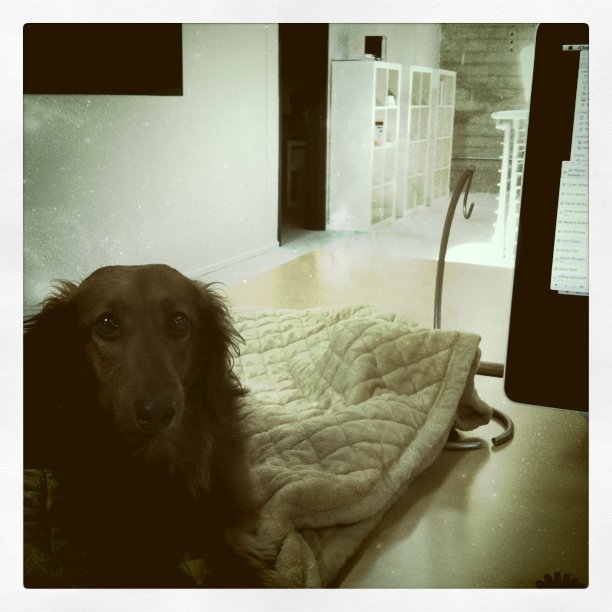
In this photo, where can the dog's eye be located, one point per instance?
(178, 324)
(107, 326)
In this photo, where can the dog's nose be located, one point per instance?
(155, 415)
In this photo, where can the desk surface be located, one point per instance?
(493, 517)
(475, 298)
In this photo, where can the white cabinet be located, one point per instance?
(363, 148)
(444, 114)
(431, 111)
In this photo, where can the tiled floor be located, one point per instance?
(417, 236)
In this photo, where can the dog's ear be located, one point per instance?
(45, 329)
(221, 340)
(48, 359)
(51, 308)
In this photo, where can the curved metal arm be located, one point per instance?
(473, 443)
(464, 182)
(488, 369)
(468, 444)
(508, 432)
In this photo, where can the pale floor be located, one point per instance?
(415, 236)
(496, 517)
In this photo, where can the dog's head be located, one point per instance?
(141, 340)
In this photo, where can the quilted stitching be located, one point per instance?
(347, 404)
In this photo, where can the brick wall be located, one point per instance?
(486, 58)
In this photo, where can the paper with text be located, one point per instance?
(570, 266)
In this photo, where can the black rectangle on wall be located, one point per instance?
(107, 58)
(376, 46)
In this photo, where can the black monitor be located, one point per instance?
(547, 359)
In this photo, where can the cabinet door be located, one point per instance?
(418, 136)
(351, 146)
(364, 135)
(385, 158)
(443, 138)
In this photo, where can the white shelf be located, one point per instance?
(363, 174)
(430, 133)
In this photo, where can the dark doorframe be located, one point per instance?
(303, 67)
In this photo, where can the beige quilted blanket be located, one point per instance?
(347, 405)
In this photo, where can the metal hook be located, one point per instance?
(467, 213)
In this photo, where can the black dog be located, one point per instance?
(130, 398)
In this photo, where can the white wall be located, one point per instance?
(413, 44)
(191, 181)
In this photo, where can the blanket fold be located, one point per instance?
(347, 405)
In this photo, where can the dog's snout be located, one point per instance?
(155, 415)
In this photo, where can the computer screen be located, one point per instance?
(547, 357)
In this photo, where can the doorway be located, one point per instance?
(303, 68)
